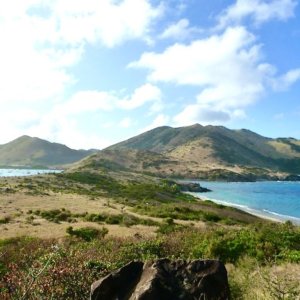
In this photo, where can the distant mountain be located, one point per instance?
(27, 151)
(208, 152)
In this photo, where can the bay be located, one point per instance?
(25, 172)
(270, 199)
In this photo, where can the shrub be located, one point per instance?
(87, 233)
(5, 220)
(56, 215)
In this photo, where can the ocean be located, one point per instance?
(270, 199)
(25, 172)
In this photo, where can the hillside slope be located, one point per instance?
(195, 150)
(34, 152)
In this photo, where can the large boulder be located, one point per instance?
(164, 280)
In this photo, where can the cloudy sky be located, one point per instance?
(91, 73)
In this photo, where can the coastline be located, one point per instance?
(267, 215)
(16, 172)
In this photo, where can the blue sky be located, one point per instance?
(92, 73)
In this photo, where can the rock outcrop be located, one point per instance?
(192, 187)
(164, 280)
(292, 177)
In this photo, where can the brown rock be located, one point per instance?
(165, 280)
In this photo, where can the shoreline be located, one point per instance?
(16, 172)
(267, 215)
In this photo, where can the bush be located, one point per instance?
(5, 220)
(87, 233)
(56, 215)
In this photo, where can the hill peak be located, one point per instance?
(23, 137)
(217, 146)
(30, 151)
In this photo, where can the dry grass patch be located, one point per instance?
(16, 207)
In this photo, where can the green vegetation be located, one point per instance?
(129, 193)
(123, 219)
(169, 226)
(5, 220)
(256, 251)
(160, 200)
(63, 215)
(56, 215)
(104, 164)
(66, 269)
(87, 233)
(179, 212)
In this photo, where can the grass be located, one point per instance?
(82, 193)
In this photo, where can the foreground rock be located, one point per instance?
(164, 280)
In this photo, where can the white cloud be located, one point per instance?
(206, 115)
(75, 22)
(160, 120)
(30, 74)
(286, 80)
(14, 123)
(193, 113)
(87, 101)
(40, 43)
(179, 31)
(259, 11)
(142, 95)
(72, 122)
(41, 40)
(83, 102)
(227, 68)
(30, 71)
(201, 61)
(108, 21)
(66, 129)
(126, 122)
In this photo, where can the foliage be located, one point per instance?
(248, 280)
(48, 269)
(5, 220)
(63, 215)
(169, 226)
(87, 233)
(120, 219)
(56, 215)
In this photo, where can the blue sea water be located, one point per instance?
(25, 172)
(277, 200)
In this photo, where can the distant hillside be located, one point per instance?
(204, 152)
(34, 152)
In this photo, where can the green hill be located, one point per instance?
(204, 152)
(28, 151)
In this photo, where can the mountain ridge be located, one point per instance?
(27, 151)
(195, 151)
